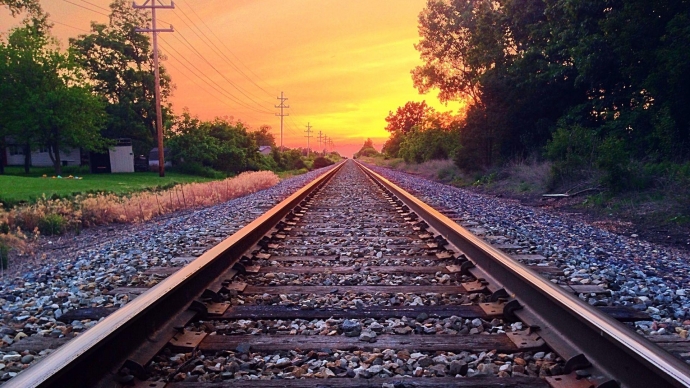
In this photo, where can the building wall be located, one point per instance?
(41, 158)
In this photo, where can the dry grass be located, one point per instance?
(523, 176)
(90, 210)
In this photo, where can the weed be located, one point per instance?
(52, 224)
(4, 254)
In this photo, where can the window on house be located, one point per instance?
(16, 150)
(43, 150)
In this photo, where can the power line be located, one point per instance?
(67, 25)
(216, 70)
(87, 8)
(217, 50)
(210, 81)
(236, 57)
(96, 5)
(204, 89)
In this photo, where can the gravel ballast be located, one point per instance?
(639, 274)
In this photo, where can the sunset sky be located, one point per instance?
(342, 65)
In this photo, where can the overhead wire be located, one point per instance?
(87, 8)
(190, 46)
(96, 5)
(212, 83)
(186, 43)
(204, 38)
(236, 57)
(204, 89)
(67, 25)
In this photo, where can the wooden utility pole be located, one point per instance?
(308, 131)
(320, 137)
(153, 5)
(281, 114)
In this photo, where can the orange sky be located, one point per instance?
(342, 64)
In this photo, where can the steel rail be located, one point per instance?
(81, 362)
(611, 346)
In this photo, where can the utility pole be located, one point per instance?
(281, 114)
(154, 5)
(308, 131)
(320, 137)
(325, 144)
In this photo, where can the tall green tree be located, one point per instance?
(119, 62)
(43, 100)
(35, 28)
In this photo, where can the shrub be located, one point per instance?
(420, 146)
(321, 162)
(197, 169)
(52, 224)
(573, 151)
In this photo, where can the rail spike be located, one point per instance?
(509, 310)
(498, 294)
(576, 362)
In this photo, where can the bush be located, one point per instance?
(614, 161)
(421, 146)
(52, 224)
(573, 151)
(321, 162)
(199, 170)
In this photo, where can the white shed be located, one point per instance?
(122, 156)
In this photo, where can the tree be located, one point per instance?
(17, 6)
(407, 116)
(264, 137)
(119, 62)
(14, 53)
(367, 149)
(190, 141)
(70, 117)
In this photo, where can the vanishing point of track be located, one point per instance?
(353, 282)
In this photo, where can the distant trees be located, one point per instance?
(419, 133)
(219, 145)
(367, 149)
(264, 137)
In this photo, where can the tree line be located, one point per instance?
(101, 88)
(591, 85)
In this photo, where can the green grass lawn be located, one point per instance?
(15, 186)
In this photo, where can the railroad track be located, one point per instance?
(352, 282)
